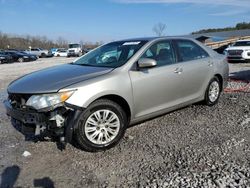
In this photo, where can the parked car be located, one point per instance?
(95, 98)
(39, 52)
(61, 53)
(53, 50)
(86, 50)
(32, 57)
(17, 56)
(4, 58)
(240, 51)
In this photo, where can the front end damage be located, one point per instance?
(54, 122)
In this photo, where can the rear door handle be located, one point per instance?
(178, 70)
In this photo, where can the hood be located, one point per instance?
(239, 48)
(52, 79)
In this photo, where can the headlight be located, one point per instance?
(48, 100)
(2, 57)
(25, 57)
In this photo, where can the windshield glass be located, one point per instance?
(74, 45)
(242, 43)
(113, 55)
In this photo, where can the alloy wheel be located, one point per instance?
(102, 127)
(214, 91)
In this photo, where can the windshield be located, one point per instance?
(74, 45)
(112, 55)
(242, 43)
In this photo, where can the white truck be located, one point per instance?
(39, 52)
(239, 51)
(75, 49)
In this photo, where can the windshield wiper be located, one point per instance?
(88, 65)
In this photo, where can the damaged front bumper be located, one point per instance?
(59, 122)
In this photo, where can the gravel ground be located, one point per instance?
(197, 146)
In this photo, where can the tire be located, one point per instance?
(213, 92)
(43, 55)
(79, 54)
(20, 60)
(58, 55)
(86, 139)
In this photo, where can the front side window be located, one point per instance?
(112, 55)
(189, 51)
(162, 52)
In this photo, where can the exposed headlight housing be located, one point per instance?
(48, 100)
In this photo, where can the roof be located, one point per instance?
(152, 38)
(223, 34)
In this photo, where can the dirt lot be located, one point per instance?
(195, 146)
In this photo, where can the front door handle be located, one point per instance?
(178, 70)
(210, 64)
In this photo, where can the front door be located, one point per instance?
(156, 88)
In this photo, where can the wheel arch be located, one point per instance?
(220, 80)
(120, 101)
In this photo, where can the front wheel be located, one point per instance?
(101, 126)
(213, 92)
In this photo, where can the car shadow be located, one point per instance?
(9, 176)
(241, 75)
(45, 182)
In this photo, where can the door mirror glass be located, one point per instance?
(146, 63)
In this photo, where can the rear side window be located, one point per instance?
(162, 52)
(189, 51)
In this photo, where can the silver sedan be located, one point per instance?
(95, 98)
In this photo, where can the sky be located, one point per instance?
(108, 20)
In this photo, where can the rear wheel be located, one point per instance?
(20, 60)
(213, 92)
(101, 126)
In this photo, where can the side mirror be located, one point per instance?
(146, 63)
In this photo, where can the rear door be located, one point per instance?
(196, 69)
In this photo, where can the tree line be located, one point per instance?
(238, 26)
(8, 41)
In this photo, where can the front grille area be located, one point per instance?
(235, 52)
(71, 51)
(18, 101)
